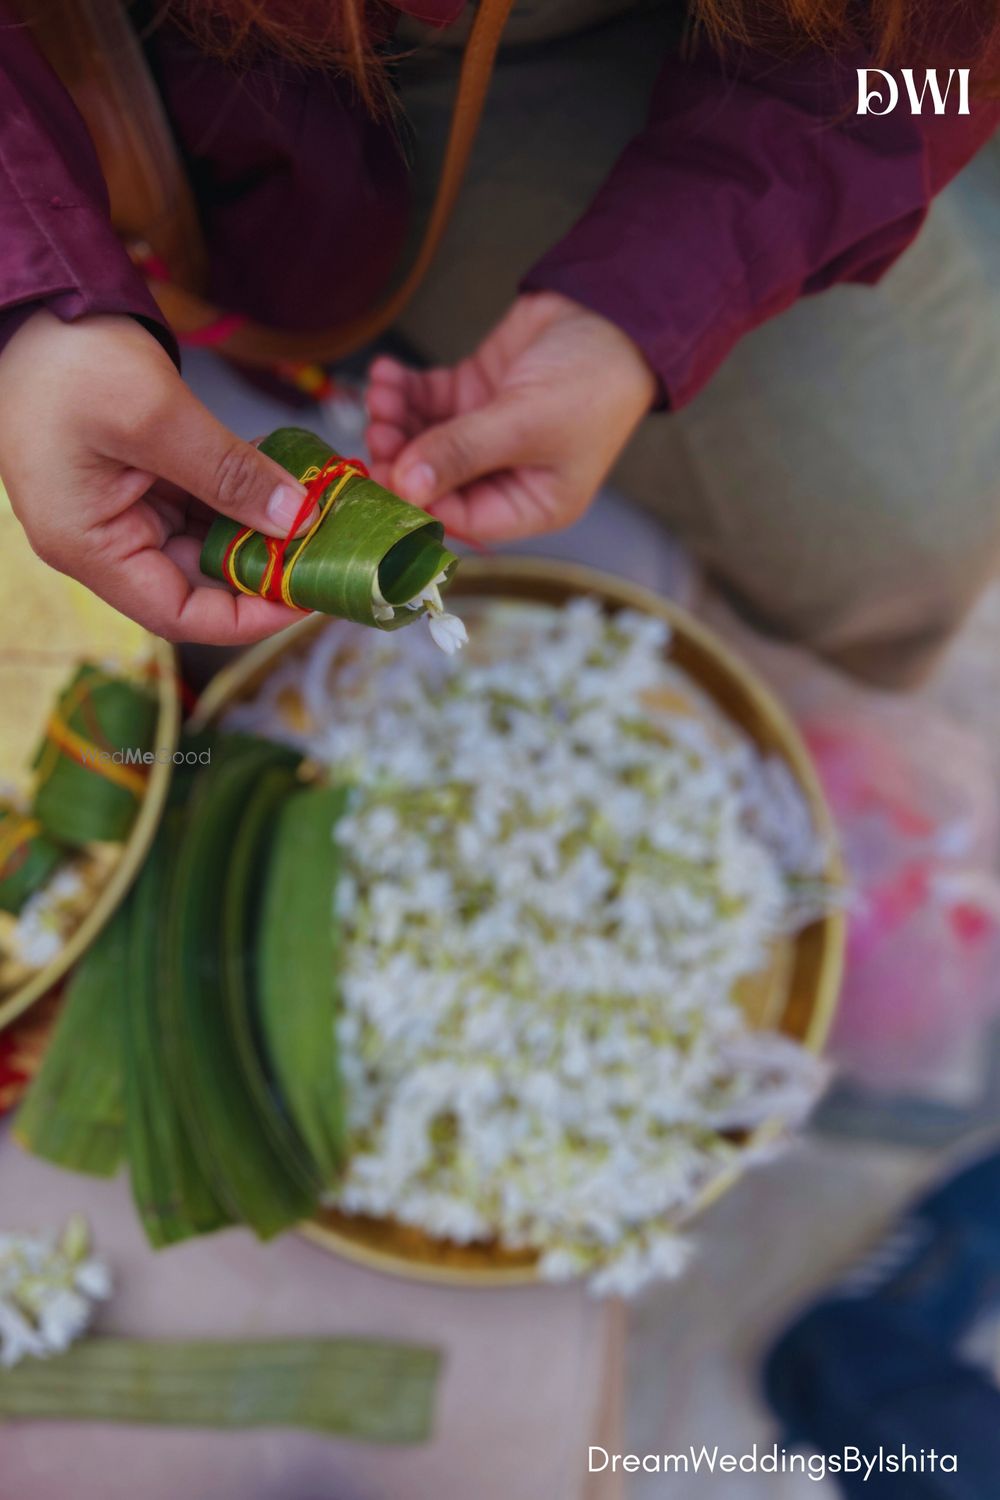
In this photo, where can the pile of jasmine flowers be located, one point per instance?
(558, 866)
(48, 1288)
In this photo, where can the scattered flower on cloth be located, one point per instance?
(558, 867)
(48, 1288)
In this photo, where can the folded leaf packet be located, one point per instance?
(91, 776)
(27, 858)
(368, 556)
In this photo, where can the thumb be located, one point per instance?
(190, 448)
(454, 453)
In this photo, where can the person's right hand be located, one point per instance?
(114, 468)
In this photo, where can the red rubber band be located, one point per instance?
(277, 547)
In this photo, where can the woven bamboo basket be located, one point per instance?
(57, 625)
(796, 995)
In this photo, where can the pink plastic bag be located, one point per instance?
(915, 800)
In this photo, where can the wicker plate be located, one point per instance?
(54, 625)
(797, 994)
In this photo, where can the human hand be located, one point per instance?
(114, 469)
(516, 439)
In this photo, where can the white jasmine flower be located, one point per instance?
(47, 1290)
(62, 1317)
(381, 608)
(17, 1336)
(447, 631)
(93, 1279)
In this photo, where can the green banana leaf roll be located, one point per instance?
(27, 858)
(90, 772)
(368, 556)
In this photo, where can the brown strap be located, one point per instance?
(97, 55)
(99, 58)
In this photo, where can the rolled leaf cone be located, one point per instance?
(362, 536)
(91, 777)
(27, 858)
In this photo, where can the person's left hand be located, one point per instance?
(516, 439)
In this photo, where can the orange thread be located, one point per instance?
(16, 833)
(61, 739)
(92, 758)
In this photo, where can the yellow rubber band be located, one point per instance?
(325, 508)
(234, 551)
(92, 758)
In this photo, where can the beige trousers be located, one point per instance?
(840, 476)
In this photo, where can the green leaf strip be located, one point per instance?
(171, 1192)
(221, 1108)
(375, 1391)
(297, 967)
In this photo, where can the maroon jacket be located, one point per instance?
(753, 184)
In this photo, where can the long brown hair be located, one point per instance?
(341, 34)
(895, 32)
(345, 33)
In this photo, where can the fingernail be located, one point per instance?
(283, 506)
(418, 483)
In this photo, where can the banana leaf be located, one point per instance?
(235, 1144)
(73, 1113)
(27, 858)
(171, 1193)
(90, 773)
(198, 1033)
(371, 1390)
(296, 988)
(367, 537)
(240, 925)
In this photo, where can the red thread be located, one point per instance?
(334, 468)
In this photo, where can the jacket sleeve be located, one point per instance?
(57, 246)
(755, 183)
